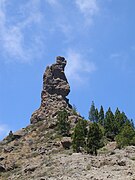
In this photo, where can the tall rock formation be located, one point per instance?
(55, 90)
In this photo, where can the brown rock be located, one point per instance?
(20, 133)
(55, 90)
(2, 168)
(54, 79)
(66, 142)
(122, 163)
(30, 169)
(8, 149)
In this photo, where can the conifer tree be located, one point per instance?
(79, 136)
(96, 115)
(126, 136)
(118, 121)
(124, 117)
(92, 113)
(101, 116)
(132, 123)
(94, 138)
(109, 124)
(63, 123)
(74, 110)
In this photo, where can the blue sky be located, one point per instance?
(97, 37)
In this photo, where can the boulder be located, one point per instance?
(66, 142)
(8, 149)
(2, 168)
(20, 133)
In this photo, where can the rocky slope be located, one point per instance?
(35, 158)
(38, 152)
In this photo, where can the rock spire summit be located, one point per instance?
(55, 90)
(54, 79)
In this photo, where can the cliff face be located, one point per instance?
(55, 90)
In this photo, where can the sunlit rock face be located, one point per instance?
(55, 90)
(54, 79)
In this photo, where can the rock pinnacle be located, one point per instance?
(55, 90)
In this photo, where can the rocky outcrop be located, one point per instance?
(54, 79)
(55, 90)
(66, 142)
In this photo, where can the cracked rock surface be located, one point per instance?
(55, 90)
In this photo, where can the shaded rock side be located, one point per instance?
(55, 90)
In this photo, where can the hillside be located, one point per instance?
(39, 152)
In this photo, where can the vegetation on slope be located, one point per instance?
(89, 136)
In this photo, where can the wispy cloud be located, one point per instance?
(12, 35)
(52, 2)
(4, 130)
(115, 55)
(120, 60)
(78, 67)
(89, 8)
(23, 32)
(69, 23)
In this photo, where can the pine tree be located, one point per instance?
(79, 136)
(101, 116)
(109, 125)
(92, 113)
(132, 123)
(96, 115)
(74, 110)
(124, 118)
(126, 136)
(118, 121)
(94, 138)
(63, 124)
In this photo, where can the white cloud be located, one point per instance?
(4, 130)
(78, 68)
(120, 60)
(65, 22)
(52, 2)
(16, 31)
(89, 8)
(115, 55)
(12, 36)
